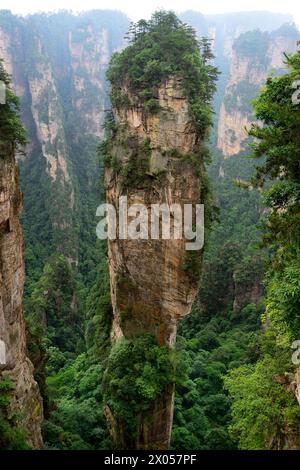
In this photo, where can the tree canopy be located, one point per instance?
(158, 49)
(12, 133)
(266, 414)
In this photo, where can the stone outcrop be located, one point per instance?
(34, 81)
(247, 74)
(297, 385)
(58, 71)
(150, 288)
(26, 402)
(89, 60)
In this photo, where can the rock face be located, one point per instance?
(58, 65)
(150, 288)
(297, 385)
(26, 401)
(248, 71)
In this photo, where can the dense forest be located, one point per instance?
(232, 365)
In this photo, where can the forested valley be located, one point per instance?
(236, 386)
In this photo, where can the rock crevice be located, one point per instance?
(151, 287)
(26, 402)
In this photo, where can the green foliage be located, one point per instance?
(67, 301)
(120, 99)
(11, 436)
(161, 48)
(264, 412)
(54, 318)
(134, 173)
(137, 373)
(193, 264)
(210, 347)
(231, 259)
(278, 139)
(214, 339)
(99, 313)
(12, 133)
(53, 305)
(76, 420)
(240, 96)
(253, 44)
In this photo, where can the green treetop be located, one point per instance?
(159, 49)
(266, 414)
(278, 141)
(12, 133)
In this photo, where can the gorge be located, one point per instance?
(24, 408)
(82, 340)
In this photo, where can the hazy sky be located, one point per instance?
(142, 8)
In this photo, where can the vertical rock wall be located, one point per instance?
(151, 289)
(247, 74)
(26, 402)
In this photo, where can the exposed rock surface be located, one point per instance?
(58, 69)
(246, 76)
(297, 385)
(150, 289)
(244, 295)
(26, 400)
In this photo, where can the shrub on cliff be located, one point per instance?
(161, 48)
(265, 412)
(138, 371)
(12, 133)
(11, 437)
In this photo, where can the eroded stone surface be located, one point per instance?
(150, 289)
(26, 401)
(253, 71)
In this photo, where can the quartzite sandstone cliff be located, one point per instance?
(26, 402)
(150, 288)
(247, 74)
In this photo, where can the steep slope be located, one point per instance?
(61, 81)
(150, 289)
(224, 329)
(255, 55)
(163, 141)
(155, 155)
(59, 177)
(24, 408)
(57, 63)
(264, 394)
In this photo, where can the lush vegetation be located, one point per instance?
(210, 347)
(254, 45)
(161, 48)
(12, 139)
(138, 371)
(222, 332)
(11, 436)
(265, 414)
(12, 132)
(73, 378)
(240, 96)
(233, 393)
